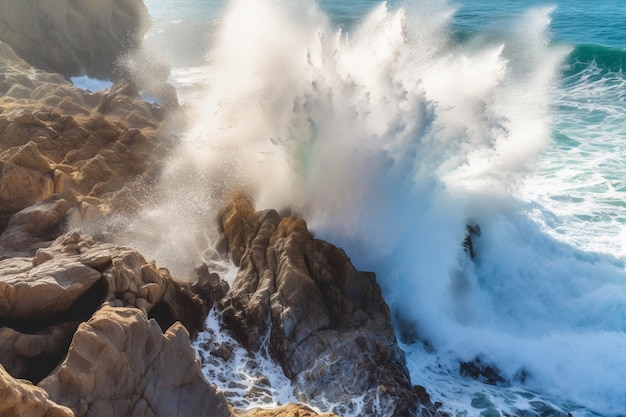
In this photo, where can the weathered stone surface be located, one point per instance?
(43, 298)
(19, 79)
(28, 291)
(65, 152)
(330, 328)
(74, 37)
(87, 147)
(127, 279)
(33, 227)
(21, 186)
(20, 398)
(120, 363)
(208, 286)
(288, 410)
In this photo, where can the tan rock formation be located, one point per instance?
(20, 398)
(29, 292)
(103, 331)
(288, 410)
(74, 37)
(33, 227)
(121, 364)
(43, 298)
(94, 149)
(330, 328)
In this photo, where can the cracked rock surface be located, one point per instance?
(120, 363)
(330, 328)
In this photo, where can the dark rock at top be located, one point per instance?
(73, 37)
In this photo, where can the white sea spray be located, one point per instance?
(388, 140)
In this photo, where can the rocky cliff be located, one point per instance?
(90, 328)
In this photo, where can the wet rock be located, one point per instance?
(209, 286)
(224, 352)
(471, 231)
(481, 371)
(330, 328)
(120, 363)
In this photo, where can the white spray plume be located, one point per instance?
(387, 140)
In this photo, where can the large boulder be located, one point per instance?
(330, 328)
(30, 292)
(74, 37)
(33, 227)
(121, 364)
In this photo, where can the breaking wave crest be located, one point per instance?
(389, 140)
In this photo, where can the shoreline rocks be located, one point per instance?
(329, 328)
(121, 364)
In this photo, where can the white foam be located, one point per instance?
(388, 140)
(248, 380)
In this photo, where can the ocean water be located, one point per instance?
(390, 127)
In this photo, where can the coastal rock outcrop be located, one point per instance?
(34, 227)
(44, 297)
(74, 37)
(94, 149)
(330, 329)
(120, 363)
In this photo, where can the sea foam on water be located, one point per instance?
(389, 139)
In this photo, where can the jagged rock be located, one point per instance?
(330, 328)
(85, 146)
(20, 398)
(208, 285)
(43, 298)
(21, 187)
(127, 279)
(18, 78)
(471, 230)
(481, 371)
(287, 410)
(33, 227)
(121, 364)
(74, 38)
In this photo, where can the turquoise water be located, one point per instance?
(389, 127)
(576, 22)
